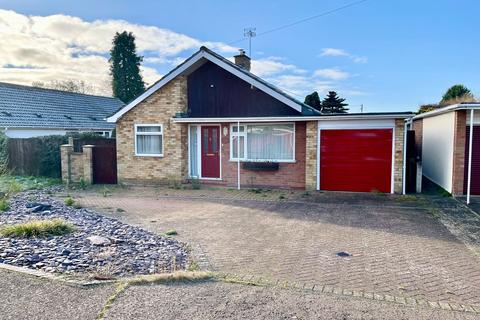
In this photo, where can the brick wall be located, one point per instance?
(311, 155)
(289, 175)
(159, 108)
(417, 126)
(398, 161)
(76, 166)
(460, 129)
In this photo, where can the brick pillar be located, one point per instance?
(88, 163)
(398, 161)
(311, 156)
(65, 151)
(460, 131)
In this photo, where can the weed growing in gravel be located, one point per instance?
(120, 210)
(4, 204)
(106, 272)
(193, 266)
(171, 232)
(69, 201)
(195, 184)
(282, 196)
(83, 184)
(105, 191)
(435, 213)
(172, 277)
(37, 228)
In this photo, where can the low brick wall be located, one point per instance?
(76, 166)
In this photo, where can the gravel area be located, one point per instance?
(99, 245)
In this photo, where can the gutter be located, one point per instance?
(290, 119)
(453, 107)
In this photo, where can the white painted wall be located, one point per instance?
(31, 133)
(437, 149)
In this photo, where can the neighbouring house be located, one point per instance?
(212, 120)
(27, 112)
(445, 139)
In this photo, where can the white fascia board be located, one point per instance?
(286, 119)
(446, 109)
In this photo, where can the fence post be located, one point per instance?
(65, 152)
(88, 163)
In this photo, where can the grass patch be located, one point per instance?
(37, 228)
(120, 288)
(193, 266)
(171, 232)
(4, 205)
(10, 184)
(69, 201)
(177, 276)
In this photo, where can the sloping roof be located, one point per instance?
(453, 107)
(206, 54)
(30, 107)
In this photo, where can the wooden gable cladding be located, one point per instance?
(215, 92)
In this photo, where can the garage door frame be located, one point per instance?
(358, 125)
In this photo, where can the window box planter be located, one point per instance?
(261, 166)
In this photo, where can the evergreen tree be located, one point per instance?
(334, 104)
(313, 100)
(457, 93)
(127, 82)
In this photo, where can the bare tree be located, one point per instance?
(77, 86)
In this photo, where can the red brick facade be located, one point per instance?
(459, 152)
(289, 175)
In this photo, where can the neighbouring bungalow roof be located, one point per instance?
(31, 107)
(453, 107)
(205, 54)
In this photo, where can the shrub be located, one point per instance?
(69, 201)
(3, 154)
(37, 228)
(4, 204)
(50, 155)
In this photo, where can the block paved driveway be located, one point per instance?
(398, 248)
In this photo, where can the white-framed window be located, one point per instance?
(263, 142)
(149, 140)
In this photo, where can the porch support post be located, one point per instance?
(238, 155)
(470, 144)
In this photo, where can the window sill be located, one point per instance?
(149, 155)
(263, 161)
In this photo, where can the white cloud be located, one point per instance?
(334, 52)
(333, 74)
(59, 47)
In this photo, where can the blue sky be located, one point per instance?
(387, 55)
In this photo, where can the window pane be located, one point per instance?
(149, 129)
(214, 140)
(270, 142)
(234, 147)
(149, 144)
(193, 152)
(205, 141)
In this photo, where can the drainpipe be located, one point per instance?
(404, 158)
(470, 144)
(238, 154)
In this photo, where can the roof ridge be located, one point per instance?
(9, 84)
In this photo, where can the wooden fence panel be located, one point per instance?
(24, 156)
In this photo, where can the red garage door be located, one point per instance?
(356, 160)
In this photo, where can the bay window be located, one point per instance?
(263, 142)
(149, 140)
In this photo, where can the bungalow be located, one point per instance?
(27, 112)
(213, 120)
(444, 139)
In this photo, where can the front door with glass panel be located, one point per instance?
(210, 154)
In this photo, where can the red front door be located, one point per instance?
(210, 152)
